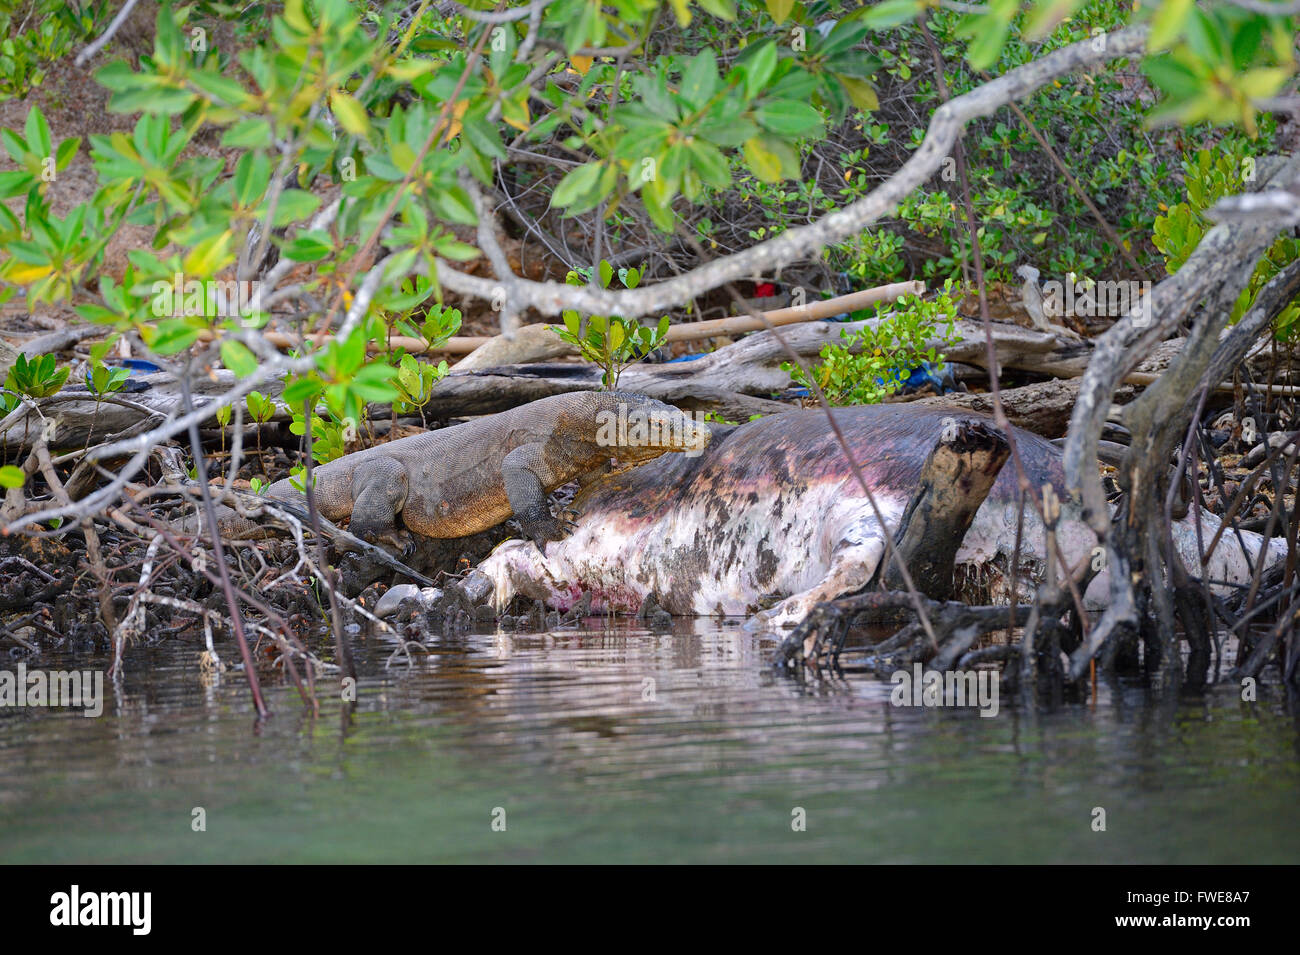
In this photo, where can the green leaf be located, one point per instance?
(211, 255)
(761, 162)
(657, 196)
(168, 45)
(989, 30)
(252, 175)
(586, 26)
(1246, 41)
(789, 118)
(350, 113)
(711, 165)
(700, 79)
(236, 357)
(1205, 39)
(1171, 76)
(295, 204)
(252, 133)
(779, 9)
(483, 136)
(844, 35)
(16, 182)
(222, 89)
(67, 149)
(771, 159)
(38, 133)
(1168, 23)
(891, 13)
(1261, 83)
(759, 67)
(174, 335)
(372, 383)
(454, 205)
(861, 92)
(11, 476)
(299, 390)
(117, 76)
(576, 184)
(309, 246)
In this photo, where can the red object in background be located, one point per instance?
(764, 290)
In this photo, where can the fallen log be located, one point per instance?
(76, 419)
(735, 381)
(46, 343)
(534, 343)
(498, 389)
(1042, 407)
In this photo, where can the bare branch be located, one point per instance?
(113, 27)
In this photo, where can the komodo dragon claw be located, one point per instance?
(546, 529)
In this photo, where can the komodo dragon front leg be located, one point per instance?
(379, 489)
(527, 475)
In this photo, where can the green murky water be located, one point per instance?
(615, 744)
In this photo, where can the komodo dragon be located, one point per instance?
(464, 479)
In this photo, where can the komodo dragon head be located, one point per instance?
(637, 429)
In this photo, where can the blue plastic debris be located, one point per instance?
(138, 368)
(939, 377)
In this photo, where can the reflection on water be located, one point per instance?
(613, 743)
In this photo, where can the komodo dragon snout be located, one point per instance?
(641, 429)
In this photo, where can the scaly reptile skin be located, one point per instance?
(461, 480)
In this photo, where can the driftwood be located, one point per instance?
(1043, 407)
(735, 382)
(498, 389)
(44, 344)
(76, 419)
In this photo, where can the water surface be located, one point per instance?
(612, 743)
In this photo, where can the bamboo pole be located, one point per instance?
(811, 312)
